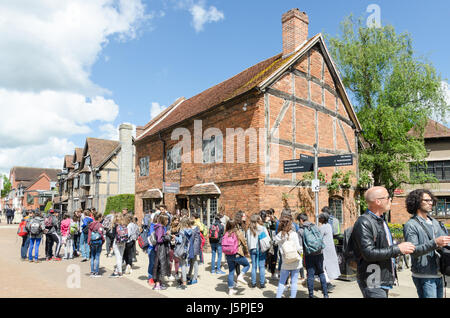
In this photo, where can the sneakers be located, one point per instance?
(31, 261)
(232, 292)
(220, 272)
(192, 282)
(160, 287)
(97, 275)
(151, 282)
(128, 270)
(48, 259)
(241, 279)
(84, 260)
(253, 286)
(170, 278)
(57, 259)
(182, 287)
(330, 287)
(114, 275)
(262, 286)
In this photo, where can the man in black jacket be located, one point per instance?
(374, 246)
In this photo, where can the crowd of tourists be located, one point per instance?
(284, 246)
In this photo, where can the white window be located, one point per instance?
(212, 150)
(75, 182)
(174, 158)
(143, 166)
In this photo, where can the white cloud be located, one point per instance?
(201, 16)
(155, 109)
(47, 49)
(111, 132)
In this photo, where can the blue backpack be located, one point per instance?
(195, 243)
(312, 240)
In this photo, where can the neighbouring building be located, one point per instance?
(282, 106)
(101, 169)
(437, 144)
(31, 188)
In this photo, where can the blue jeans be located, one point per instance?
(24, 247)
(429, 287)
(232, 260)
(216, 248)
(151, 261)
(282, 284)
(84, 247)
(314, 266)
(36, 251)
(258, 260)
(96, 249)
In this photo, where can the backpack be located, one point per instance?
(265, 243)
(107, 222)
(86, 227)
(181, 248)
(289, 252)
(35, 227)
(195, 243)
(73, 228)
(48, 221)
(335, 226)
(22, 231)
(230, 244)
(152, 239)
(146, 221)
(312, 240)
(95, 236)
(121, 234)
(142, 239)
(214, 233)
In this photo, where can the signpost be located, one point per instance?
(171, 187)
(309, 163)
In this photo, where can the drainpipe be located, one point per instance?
(164, 162)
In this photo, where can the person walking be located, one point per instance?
(330, 259)
(84, 246)
(35, 227)
(234, 246)
(373, 245)
(67, 236)
(133, 233)
(119, 243)
(257, 256)
(427, 235)
(216, 232)
(290, 251)
(108, 225)
(95, 240)
(313, 259)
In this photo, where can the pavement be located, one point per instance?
(58, 279)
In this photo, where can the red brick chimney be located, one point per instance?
(295, 30)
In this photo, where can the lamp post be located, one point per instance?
(60, 193)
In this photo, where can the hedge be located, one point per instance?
(397, 230)
(119, 202)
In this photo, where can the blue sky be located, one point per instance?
(83, 69)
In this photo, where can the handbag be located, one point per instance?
(265, 243)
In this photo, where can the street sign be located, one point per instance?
(315, 185)
(306, 158)
(171, 187)
(336, 161)
(297, 165)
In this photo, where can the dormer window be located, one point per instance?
(87, 161)
(77, 165)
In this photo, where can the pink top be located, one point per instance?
(65, 227)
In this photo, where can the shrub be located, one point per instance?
(119, 202)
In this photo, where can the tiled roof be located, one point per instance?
(30, 174)
(152, 194)
(68, 161)
(100, 149)
(201, 189)
(78, 154)
(233, 87)
(433, 130)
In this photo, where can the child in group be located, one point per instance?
(290, 251)
(151, 252)
(238, 255)
(174, 230)
(161, 267)
(133, 233)
(67, 236)
(120, 240)
(258, 258)
(35, 227)
(96, 238)
(194, 251)
(215, 240)
(182, 238)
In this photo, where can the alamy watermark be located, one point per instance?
(374, 19)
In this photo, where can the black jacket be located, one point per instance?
(373, 251)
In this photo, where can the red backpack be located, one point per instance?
(22, 231)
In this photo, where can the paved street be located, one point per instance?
(55, 279)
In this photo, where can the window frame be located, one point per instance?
(147, 168)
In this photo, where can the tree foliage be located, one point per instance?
(119, 202)
(6, 187)
(392, 91)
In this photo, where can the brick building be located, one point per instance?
(437, 144)
(31, 188)
(232, 138)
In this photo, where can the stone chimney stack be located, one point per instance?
(126, 159)
(295, 30)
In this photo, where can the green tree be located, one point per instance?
(6, 186)
(392, 91)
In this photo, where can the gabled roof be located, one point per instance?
(258, 77)
(78, 155)
(68, 162)
(26, 176)
(99, 150)
(433, 129)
